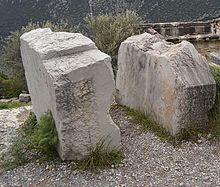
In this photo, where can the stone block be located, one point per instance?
(24, 98)
(170, 82)
(215, 57)
(69, 76)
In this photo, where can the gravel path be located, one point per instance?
(148, 162)
(10, 120)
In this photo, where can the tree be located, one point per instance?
(108, 31)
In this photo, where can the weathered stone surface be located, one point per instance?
(68, 75)
(24, 97)
(215, 57)
(172, 83)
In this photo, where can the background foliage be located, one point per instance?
(11, 60)
(108, 31)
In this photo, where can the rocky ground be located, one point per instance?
(10, 120)
(148, 161)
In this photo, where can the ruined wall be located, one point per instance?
(175, 29)
(206, 47)
(205, 36)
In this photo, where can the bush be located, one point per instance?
(108, 31)
(11, 57)
(10, 87)
(45, 138)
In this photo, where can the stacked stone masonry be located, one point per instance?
(69, 76)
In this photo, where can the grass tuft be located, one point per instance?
(100, 157)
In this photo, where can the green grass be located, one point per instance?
(192, 133)
(100, 157)
(10, 87)
(214, 113)
(45, 137)
(11, 105)
(38, 139)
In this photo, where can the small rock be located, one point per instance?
(206, 178)
(15, 99)
(209, 136)
(5, 100)
(120, 165)
(24, 98)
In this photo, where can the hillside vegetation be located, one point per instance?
(16, 13)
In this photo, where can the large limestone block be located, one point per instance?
(69, 76)
(170, 82)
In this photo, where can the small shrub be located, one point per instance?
(108, 31)
(16, 156)
(36, 140)
(10, 87)
(100, 157)
(45, 138)
(29, 125)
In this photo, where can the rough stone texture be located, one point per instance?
(172, 83)
(68, 75)
(215, 58)
(24, 97)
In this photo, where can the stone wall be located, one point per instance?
(176, 29)
(205, 36)
(206, 47)
(69, 76)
